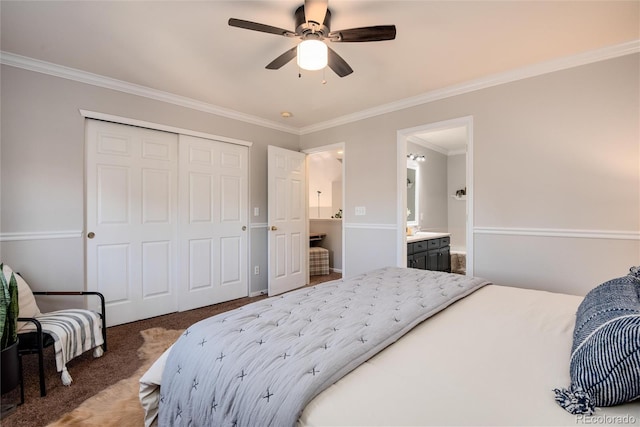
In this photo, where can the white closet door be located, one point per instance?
(213, 222)
(131, 209)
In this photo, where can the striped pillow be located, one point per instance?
(605, 357)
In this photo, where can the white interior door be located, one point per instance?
(288, 234)
(131, 219)
(213, 222)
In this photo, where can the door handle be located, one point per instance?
(274, 228)
(244, 228)
(91, 235)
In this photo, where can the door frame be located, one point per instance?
(331, 147)
(403, 136)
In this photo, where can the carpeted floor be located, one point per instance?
(90, 375)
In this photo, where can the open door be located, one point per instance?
(288, 234)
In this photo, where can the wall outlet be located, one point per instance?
(256, 270)
(361, 210)
(256, 211)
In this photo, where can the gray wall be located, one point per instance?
(42, 174)
(457, 212)
(432, 189)
(556, 177)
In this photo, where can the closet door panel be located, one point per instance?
(213, 186)
(131, 219)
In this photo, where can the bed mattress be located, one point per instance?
(490, 359)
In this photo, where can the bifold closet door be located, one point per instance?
(131, 219)
(213, 200)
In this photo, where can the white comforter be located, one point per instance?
(492, 358)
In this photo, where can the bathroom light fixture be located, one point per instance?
(312, 55)
(416, 157)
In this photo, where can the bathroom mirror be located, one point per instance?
(412, 194)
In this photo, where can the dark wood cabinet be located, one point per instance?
(432, 254)
(420, 261)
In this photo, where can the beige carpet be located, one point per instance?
(118, 405)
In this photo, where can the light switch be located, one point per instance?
(256, 211)
(361, 210)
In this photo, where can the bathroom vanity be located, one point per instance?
(429, 251)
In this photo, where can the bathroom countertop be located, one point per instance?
(424, 235)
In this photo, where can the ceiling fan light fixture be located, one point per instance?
(312, 55)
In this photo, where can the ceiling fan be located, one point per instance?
(313, 23)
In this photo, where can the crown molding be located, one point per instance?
(456, 152)
(419, 141)
(559, 64)
(438, 149)
(38, 66)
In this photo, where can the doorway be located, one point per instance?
(326, 167)
(445, 187)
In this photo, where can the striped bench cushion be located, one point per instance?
(605, 358)
(74, 331)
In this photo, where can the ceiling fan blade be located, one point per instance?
(315, 10)
(338, 65)
(365, 34)
(248, 25)
(283, 59)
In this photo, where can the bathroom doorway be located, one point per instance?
(441, 197)
(325, 166)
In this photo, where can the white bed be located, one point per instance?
(492, 358)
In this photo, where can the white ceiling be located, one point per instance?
(186, 48)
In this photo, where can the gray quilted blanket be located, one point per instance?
(260, 365)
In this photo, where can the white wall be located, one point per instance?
(325, 175)
(552, 154)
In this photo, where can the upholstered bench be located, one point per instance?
(459, 262)
(318, 261)
(71, 331)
